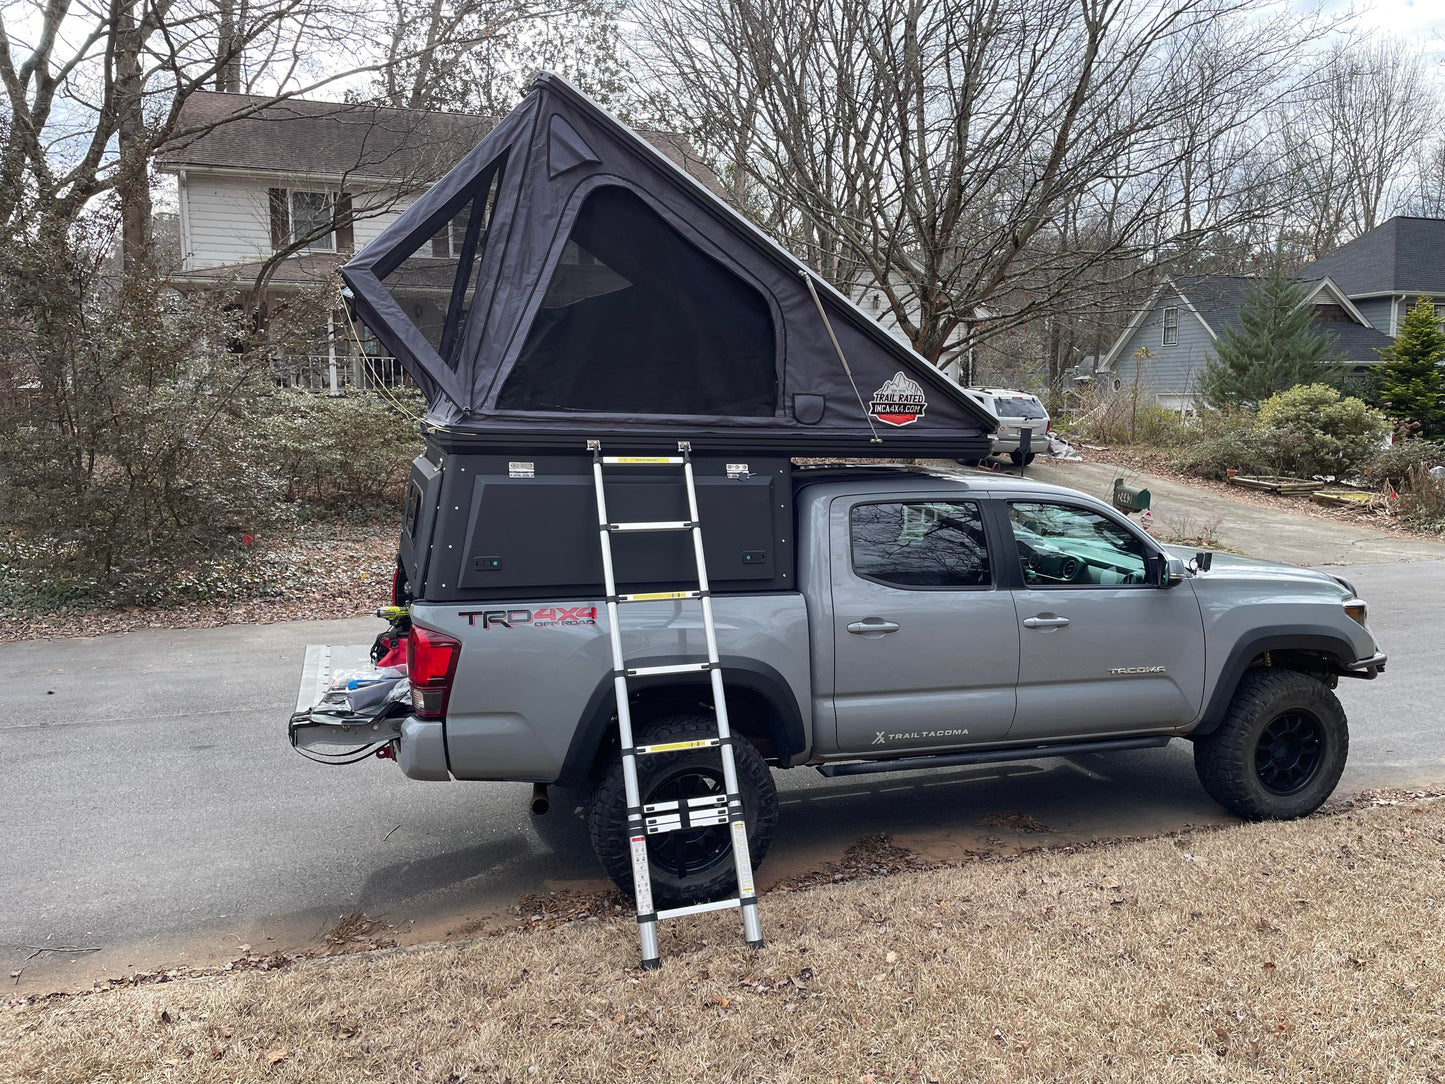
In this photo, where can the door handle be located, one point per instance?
(874, 624)
(1042, 622)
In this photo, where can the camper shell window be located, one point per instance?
(636, 319)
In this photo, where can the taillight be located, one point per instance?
(431, 664)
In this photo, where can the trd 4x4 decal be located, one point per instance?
(546, 616)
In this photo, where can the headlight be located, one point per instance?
(1357, 610)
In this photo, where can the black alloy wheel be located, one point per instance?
(1290, 751)
(1280, 748)
(694, 865)
(699, 851)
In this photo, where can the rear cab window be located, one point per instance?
(920, 545)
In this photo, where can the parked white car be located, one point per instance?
(1016, 411)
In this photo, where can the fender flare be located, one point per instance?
(1317, 639)
(788, 733)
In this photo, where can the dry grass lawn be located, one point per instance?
(1312, 951)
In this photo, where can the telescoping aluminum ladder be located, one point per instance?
(691, 813)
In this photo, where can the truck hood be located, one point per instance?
(1236, 569)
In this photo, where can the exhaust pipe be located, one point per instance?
(540, 802)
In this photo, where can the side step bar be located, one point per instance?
(993, 756)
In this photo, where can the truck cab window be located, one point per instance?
(920, 545)
(1064, 545)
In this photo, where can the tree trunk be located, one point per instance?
(228, 50)
(133, 175)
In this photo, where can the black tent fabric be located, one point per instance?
(567, 281)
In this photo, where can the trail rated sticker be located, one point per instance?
(898, 402)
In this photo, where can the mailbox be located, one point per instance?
(1129, 499)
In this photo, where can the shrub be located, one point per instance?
(1213, 453)
(1421, 502)
(1396, 465)
(347, 456)
(1108, 417)
(142, 435)
(1311, 429)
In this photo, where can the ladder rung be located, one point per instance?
(714, 800)
(640, 460)
(654, 525)
(672, 668)
(699, 908)
(673, 822)
(659, 596)
(675, 746)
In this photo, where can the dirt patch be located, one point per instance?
(1311, 950)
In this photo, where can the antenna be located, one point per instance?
(808, 278)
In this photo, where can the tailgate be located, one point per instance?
(325, 718)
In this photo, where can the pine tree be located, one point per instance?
(1410, 383)
(1275, 346)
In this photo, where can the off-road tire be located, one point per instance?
(1233, 765)
(1019, 460)
(607, 813)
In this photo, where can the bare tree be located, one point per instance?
(981, 154)
(1353, 136)
(476, 55)
(1427, 187)
(94, 93)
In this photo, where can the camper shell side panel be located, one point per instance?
(510, 526)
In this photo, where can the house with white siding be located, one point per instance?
(276, 195)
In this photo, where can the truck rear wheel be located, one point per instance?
(1280, 750)
(690, 866)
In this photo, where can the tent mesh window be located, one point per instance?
(637, 320)
(435, 282)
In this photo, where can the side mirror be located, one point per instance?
(1166, 571)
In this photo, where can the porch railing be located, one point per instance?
(337, 375)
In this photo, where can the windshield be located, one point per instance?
(1020, 406)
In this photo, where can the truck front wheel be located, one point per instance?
(687, 866)
(1280, 749)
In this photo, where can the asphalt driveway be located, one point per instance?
(155, 811)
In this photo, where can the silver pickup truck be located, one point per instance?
(933, 618)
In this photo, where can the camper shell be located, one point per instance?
(481, 527)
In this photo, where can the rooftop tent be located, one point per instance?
(566, 280)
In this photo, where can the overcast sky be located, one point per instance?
(1418, 20)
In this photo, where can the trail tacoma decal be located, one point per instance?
(898, 402)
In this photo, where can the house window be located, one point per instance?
(1171, 326)
(447, 243)
(1440, 316)
(311, 217)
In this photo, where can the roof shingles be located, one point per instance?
(1402, 255)
(342, 140)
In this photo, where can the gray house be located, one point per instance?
(1185, 317)
(1384, 272)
